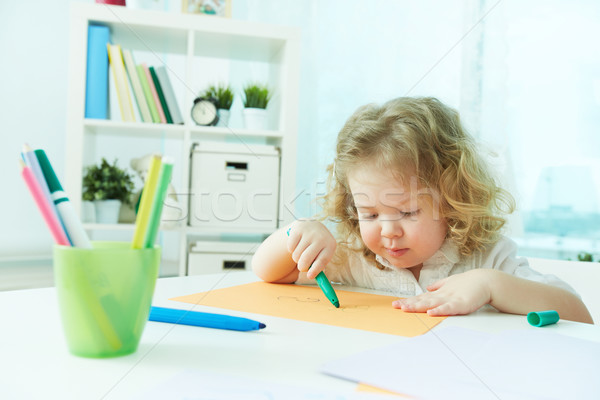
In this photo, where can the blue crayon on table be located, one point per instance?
(67, 214)
(206, 320)
(325, 285)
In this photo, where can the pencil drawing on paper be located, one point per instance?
(352, 309)
(298, 299)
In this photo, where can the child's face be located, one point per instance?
(398, 220)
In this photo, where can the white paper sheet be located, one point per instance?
(198, 385)
(457, 363)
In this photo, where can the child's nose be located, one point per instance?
(391, 227)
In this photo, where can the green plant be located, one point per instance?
(107, 182)
(585, 256)
(222, 93)
(256, 95)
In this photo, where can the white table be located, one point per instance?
(35, 362)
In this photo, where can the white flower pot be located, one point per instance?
(255, 118)
(88, 212)
(223, 117)
(107, 211)
(146, 4)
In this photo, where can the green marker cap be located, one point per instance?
(541, 318)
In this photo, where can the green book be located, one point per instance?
(148, 94)
(161, 96)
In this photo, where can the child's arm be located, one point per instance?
(519, 296)
(280, 257)
(467, 292)
(272, 262)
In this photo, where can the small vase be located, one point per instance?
(88, 212)
(223, 117)
(147, 4)
(255, 118)
(107, 211)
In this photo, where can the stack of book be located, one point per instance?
(150, 87)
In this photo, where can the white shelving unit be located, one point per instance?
(197, 51)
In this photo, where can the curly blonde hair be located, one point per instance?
(427, 136)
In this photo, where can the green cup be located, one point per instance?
(105, 294)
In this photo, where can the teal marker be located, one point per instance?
(325, 285)
(65, 210)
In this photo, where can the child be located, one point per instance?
(418, 214)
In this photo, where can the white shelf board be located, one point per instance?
(108, 227)
(122, 227)
(108, 127)
(188, 229)
(191, 230)
(214, 131)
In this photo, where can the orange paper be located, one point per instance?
(369, 312)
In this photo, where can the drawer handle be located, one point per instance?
(241, 264)
(236, 177)
(236, 165)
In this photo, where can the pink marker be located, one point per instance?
(38, 195)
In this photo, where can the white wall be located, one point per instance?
(33, 97)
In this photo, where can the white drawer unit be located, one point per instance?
(215, 257)
(234, 187)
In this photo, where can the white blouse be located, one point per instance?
(360, 272)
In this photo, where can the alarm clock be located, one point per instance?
(204, 111)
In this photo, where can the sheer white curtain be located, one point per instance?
(524, 75)
(540, 109)
(356, 52)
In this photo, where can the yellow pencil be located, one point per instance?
(141, 222)
(98, 311)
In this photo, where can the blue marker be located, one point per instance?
(206, 320)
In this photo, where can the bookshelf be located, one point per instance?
(197, 51)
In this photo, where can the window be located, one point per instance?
(540, 109)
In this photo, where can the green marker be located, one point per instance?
(164, 178)
(325, 285)
(67, 214)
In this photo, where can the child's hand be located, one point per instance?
(310, 243)
(455, 295)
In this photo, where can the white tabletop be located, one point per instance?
(35, 362)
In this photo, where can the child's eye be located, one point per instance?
(410, 213)
(370, 216)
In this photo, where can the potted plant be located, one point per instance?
(107, 186)
(256, 99)
(223, 95)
